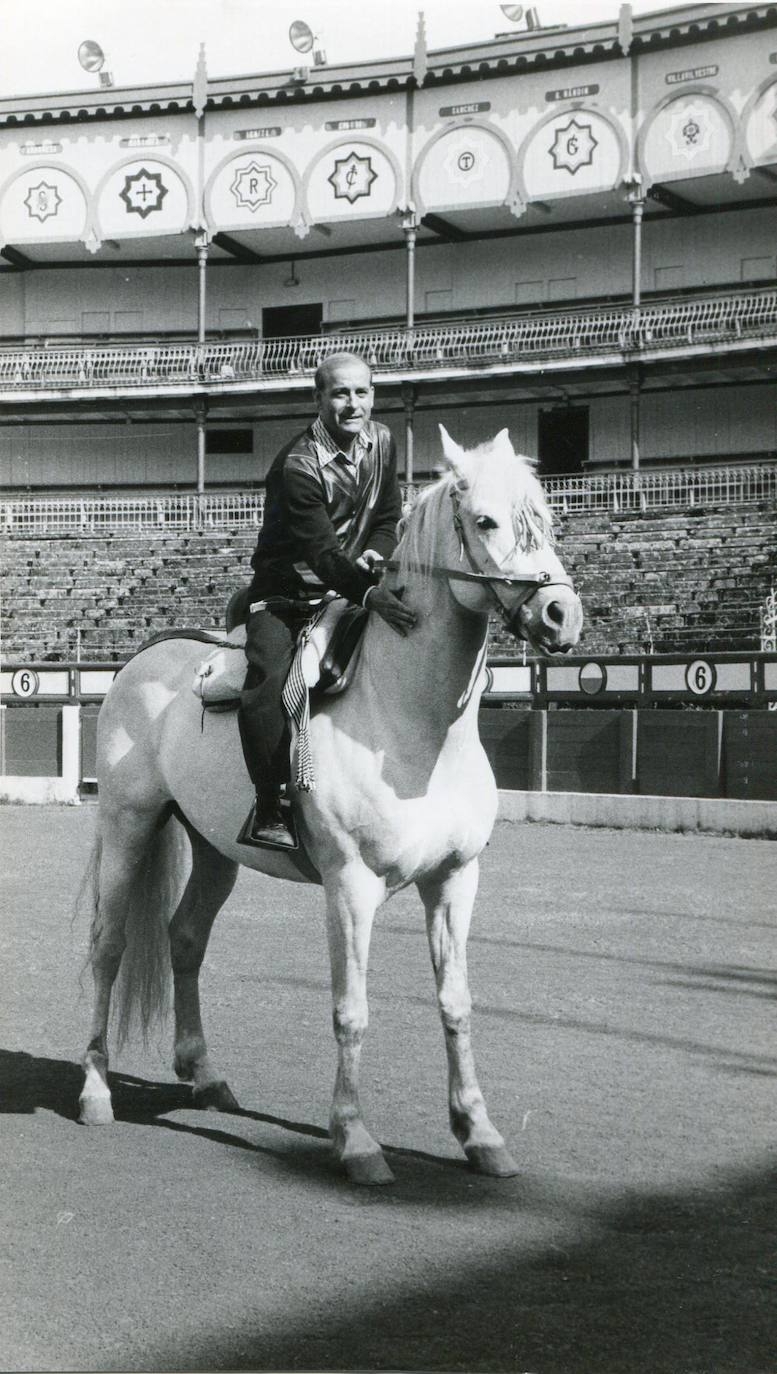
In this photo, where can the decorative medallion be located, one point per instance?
(253, 186)
(465, 163)
(352, 177)
(573, 147)
(690, 131)
(42, 201)
(143, 193)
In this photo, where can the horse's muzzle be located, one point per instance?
(551, 619)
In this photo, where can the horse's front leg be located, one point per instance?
(353, 895)
(449, 903)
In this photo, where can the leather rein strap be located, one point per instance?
(531, 581)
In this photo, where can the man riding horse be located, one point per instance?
(332, 506)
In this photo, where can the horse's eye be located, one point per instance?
(484, 522)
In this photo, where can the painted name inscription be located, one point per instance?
(347, 124)
(572, 92)
(478, 107)
(270, 131)
(690, 74)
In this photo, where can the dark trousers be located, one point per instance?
(271, 637)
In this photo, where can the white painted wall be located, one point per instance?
(704, 423)
(498, 273)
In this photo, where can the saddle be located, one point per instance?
(327, 654)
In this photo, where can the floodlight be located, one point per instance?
(91, 56)
(301, 36)
(512, 12)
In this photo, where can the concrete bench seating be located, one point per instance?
(681, 580)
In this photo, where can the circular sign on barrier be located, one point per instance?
(25, 683)
(591, 678)
(700, 677)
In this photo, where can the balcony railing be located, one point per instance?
(616, 492)
(525, 342)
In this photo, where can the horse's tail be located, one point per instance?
(141, 996)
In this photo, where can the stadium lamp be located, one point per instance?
(303, 40)
(512, 12)
(92, 58)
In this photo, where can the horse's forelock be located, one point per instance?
(531, 516)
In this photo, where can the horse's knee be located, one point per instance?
(350, 1023)
(455, 1011)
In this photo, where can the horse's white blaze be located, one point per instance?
(404, 790)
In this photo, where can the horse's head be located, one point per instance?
(504, 531)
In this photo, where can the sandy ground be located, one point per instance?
(624, 1011)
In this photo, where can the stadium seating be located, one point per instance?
(682, 581)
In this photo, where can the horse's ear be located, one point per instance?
(455, 457)
(502, 441)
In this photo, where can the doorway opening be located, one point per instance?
(284, 321)
(562, 440)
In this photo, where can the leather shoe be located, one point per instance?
(269, 831)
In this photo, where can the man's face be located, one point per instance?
(345, 401)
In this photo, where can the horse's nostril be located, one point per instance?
(554, 612)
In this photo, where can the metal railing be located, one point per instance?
(128, 514)
(513, 342)
(647, 490)
(676, 488)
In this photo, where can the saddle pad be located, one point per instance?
(328, 656)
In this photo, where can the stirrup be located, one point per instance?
(281, 845)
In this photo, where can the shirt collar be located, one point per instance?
(327, 449)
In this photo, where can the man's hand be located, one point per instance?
(368, 561)
(390, 608)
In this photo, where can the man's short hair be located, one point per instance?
(325, 367)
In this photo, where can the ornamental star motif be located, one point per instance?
(143, 193)
(253, 186)
(352, 177)
(42, 201)
(573, 147)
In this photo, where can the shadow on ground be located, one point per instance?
(671, 1283)
(660, 1283)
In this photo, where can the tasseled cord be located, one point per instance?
(296, 703)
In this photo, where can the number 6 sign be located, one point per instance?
(25, 683)
(700, 677)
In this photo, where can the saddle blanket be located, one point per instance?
(326, 657)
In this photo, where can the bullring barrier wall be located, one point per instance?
(655, 765)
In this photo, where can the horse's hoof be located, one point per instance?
(95, 1111)
(369, 1169)
(494, 1160)
(215, 1097)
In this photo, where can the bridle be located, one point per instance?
(529, 582)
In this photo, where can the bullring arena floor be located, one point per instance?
(623, 983)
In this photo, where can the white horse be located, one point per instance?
(404, 794)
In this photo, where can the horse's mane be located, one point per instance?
(420, 526)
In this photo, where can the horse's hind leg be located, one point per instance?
(211, 881)
(119, 859)
(448, 903)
